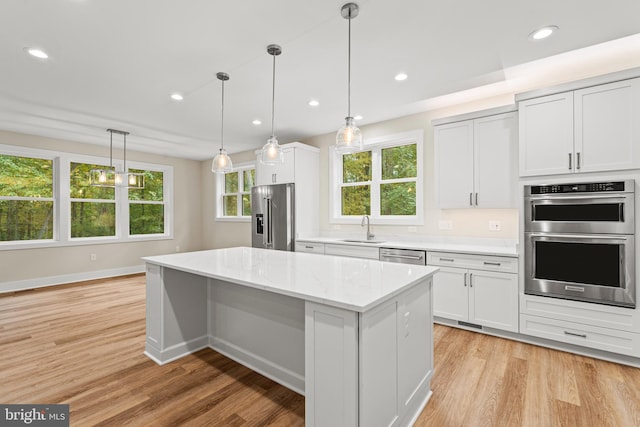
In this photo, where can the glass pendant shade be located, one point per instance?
(271, 152)
(109, 176)
(221, 162)
(348, 138)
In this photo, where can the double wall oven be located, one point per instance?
(580, 242)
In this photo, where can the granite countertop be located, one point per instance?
(506, 248)
(350, 283)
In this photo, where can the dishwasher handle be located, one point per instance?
(412, 257)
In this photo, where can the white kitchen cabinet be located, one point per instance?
(592, 129)
(354, 251)
(301, 166)
(485, 295)
(475, 161)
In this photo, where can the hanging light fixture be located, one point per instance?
(110, 177)
(222, 161)
(271, 151)
(349, 138)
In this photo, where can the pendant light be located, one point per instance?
(271, 151)
(222, 162)
(349, 138)
(110, 177)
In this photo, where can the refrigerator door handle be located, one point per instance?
(267, 237)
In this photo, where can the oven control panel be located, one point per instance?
(585, 187)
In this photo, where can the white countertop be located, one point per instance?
(479, 247)
(350, 283)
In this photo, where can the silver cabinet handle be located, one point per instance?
(476, 199)
(416, 257)
(578, 160)
(497, 264)
(465, 279)
(470, 199)
(273, 178)
(573, 334)
(308, 247)
(471, 280)
(447, 259)
(569, 161)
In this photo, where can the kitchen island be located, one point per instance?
(353, 336)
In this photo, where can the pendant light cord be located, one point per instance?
(222, 121)
(125, 154)
(110, 148)
(349, 71)
(273, 96)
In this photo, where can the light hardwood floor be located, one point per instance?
(82, 345)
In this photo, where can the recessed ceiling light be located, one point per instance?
(37, 53)
(543, 33)
(358, 117)
(313, 102)
(177, 97)
(256, 122)
(401, 76)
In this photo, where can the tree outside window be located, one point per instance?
(93, 209)
(26, 198)
(235, 201)
(146, 205)
(383, 181)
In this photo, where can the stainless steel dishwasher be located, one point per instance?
(403, 256)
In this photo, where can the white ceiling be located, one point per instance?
(114, 63)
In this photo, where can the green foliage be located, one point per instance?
(93, 219)
(398, 198)
(25, 220)
(356, 167)
(230, 205)
(79, 187)
(231, 182)
(248, 181)
(399, 162)
(25, 177)
(146, 218)
(153, 190)
(356, 200)
(246, 204)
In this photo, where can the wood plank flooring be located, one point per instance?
(82, 345)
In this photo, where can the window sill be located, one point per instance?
(87, 241)
(234, 219)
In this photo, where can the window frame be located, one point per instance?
(220, 193)
(62, 200)
(376, 145)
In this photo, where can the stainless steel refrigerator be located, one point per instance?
(272, 217)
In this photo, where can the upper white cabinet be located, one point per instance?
(586, 130)
(475, 161)
(302, 167)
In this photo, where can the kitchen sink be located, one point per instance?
(362, 241)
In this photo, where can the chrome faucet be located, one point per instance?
(369, 234)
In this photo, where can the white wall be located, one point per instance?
(32, 265)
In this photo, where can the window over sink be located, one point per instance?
(384, 181)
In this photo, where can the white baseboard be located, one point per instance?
(177, 351)
(279, 374)
(40, 282)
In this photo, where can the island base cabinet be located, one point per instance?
(393, 346)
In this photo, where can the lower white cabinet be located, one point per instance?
(310, 247)
(479, 296)
(354, 251)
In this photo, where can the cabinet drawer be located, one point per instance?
(603, 316)
(312, 247)
(612, 340)
(354, 251)
(477, 262)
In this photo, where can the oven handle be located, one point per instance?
(576, 197)
(579, 236)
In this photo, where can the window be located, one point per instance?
(92, 209)
(26, 198)
(146, 205)
(383, 181)
(234, 189)
(46, 200)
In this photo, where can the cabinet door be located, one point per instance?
(546, 135)
(493, 299)
(454, 164)
(450, 294)
(495, 162)
(279, 173)
(607, 126)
